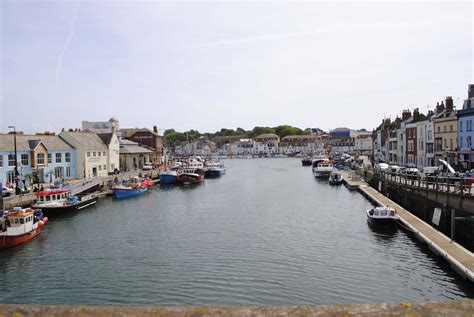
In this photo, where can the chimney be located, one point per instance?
(155, 129)
(449, 104)
(406, 114)
(439, 107)
(470, 93)
(416, 114)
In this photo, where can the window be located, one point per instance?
(40, 159)
(68, 171)
(444, 128)
(105, 154)
(67, 157)
(439, 129)
(451, 128)
(11, 160)
(430, 135)
(59, 157)
(469, 143)
(105, 167)
(100, 167)
(1, 160)
(460, 126)
(25, 160)
(451, 144)
(460, 141)
(50, 160)
(99, 154)
(94, 153)
(88, 154)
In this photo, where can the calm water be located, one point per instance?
(266, 233)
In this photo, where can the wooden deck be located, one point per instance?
(461, 259)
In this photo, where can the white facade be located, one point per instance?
(429, 141)
(91, 153)
(421, 144)
(363, 144)
(242, 147)
(401, 141)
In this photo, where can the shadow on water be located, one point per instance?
(383, 232)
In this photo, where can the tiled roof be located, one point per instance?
(28, 142)
(305, 136)
(88, 140)
(133, 149)
(266, 136)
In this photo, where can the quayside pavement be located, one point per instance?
(460, 259)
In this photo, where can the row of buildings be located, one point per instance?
(99, 149)
(419, 140)
(340, 140)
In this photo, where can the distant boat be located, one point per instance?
(381, 215)
(214, 169)
(61, 200)
(335, 178)
(19, 226)
(307, 161)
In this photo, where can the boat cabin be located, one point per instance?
(46, 197)
(325, 164)
(382, 212)
(17, 222)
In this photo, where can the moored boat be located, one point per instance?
(381, 215)
(134, 187)
(323, 169)
(61, 200)
(191, 176)
(335, 178)
(19, 226)
(169, 177)
(214, 169)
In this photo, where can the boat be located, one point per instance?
(307, 161)
(214, 169)
(19, 226)
(191, 176)
(317, 159)
(335, 178)
(324, 169)
(169, 177)
(136, 186)
(61, 200)
(381, 215)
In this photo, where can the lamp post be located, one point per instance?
(17, 189)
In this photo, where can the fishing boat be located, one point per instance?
(169, 177)
(335, 178)
(307, 161)
(191, 176)
(61, 200)
(381, 215)
(214, 169)
(323, 169)
(19, 226)
(136, 186)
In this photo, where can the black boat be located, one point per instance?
(61, 200)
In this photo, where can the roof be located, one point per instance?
(105, 137)
(52, 192)
(127, 142)
(127, 133)
(266, 136)
(88, 140)
(134, 149)
(304, 136)
(29, 142)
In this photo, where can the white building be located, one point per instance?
(242, 147)
(363, 143)
(113, 150)
(298, 144)
(101, 126)
(266, 144)
(91, 153)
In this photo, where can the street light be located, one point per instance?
(17, 189)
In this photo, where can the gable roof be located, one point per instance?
(128, 133)
(88, 140)
(29, 142)
(105, 137)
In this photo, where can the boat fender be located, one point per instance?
(40, 223)
(45, 219)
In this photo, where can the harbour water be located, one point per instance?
(266, 233)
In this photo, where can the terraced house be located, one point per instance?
(40, 158)
(446, 132)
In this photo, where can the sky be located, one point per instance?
(213, 65)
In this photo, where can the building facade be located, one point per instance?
(266, 144)
(466, 131)
(446, 134)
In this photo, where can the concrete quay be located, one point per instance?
(460, 259)
(448, 308)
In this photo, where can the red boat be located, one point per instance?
(19, 226)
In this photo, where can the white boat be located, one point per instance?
(382, 215)
(214, 168)
(324, 169)
(335, 178)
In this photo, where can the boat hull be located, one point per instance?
(167, 179)
(338, 182)
(68, 208)
(12, 241)
(215, 173)
(186, 179)
(123, 193)
(322, 174)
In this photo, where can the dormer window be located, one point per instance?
(40, 159)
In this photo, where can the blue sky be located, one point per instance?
(209, 65)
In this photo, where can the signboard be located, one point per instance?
(436, 216)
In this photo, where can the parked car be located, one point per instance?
(394, 168)
(147, 167)
(381, 167)
(429, 172)
(7, 191)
